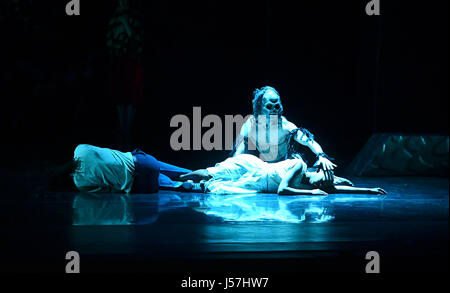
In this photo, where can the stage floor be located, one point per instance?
(189, 232)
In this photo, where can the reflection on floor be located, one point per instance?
(172, 231)
(120, 209)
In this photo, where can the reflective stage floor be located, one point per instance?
(188, 232)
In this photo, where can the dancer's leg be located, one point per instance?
(146, 178)
(172, 171)
(166, 183)
(152, 174)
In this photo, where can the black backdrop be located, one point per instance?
(341, 74)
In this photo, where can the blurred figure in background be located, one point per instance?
(124, 42)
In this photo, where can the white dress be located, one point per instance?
(247, 174)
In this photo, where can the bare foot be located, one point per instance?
(196, 176)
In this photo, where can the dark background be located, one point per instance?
(341, 74)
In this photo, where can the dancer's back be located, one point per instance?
(248, 174)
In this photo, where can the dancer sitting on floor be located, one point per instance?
(247, 173)
(96, 169)
(269, 135)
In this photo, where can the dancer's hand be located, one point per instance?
(378, 190)
(325, 164)
(318, 192)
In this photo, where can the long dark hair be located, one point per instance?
(60, 177)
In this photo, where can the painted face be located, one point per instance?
(271, 104)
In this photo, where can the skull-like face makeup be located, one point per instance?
(271, 104)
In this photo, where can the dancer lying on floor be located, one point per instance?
(96, 169)
(246, 173)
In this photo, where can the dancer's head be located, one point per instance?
(316, 179)
(266, 101)
(304, 179)
(60, 178)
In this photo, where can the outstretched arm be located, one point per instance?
(295, 191)
(352, 190)
(305, 138)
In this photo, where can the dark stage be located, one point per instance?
(197, 233)
(372, 90)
